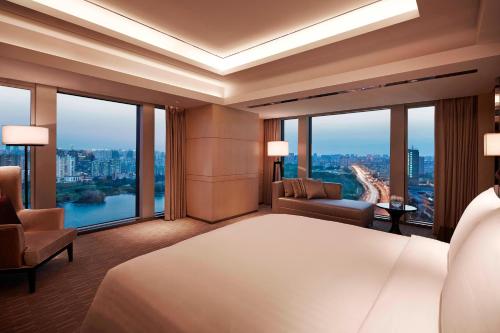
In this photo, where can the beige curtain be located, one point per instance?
(456, 161)
(272, 132)
(175, 164)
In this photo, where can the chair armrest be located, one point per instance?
(11, 245)
(333, 190)
(42, 219)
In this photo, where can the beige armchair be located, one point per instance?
(40, 236)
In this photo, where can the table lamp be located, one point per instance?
(26, 136)
(492, 148)
(277, 149)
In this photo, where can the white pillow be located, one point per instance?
(475, 212)
(470, 300)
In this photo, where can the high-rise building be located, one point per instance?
(413, 165)
(421, 166)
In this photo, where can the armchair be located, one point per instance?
(40, 236)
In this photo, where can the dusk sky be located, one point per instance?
(85, 123)
(364, 132)
(15, 106)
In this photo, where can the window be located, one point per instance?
(290, 134)
(15, 110)
(96, 160)
(420, 171)
(353, 149)
(160, 137)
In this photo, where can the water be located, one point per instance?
(116, 207)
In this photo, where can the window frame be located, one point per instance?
(160, 213)
(406, 193)
(370, 109)
(31, 88)
(282, 159)
(136, 217)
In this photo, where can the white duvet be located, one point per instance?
(277, 273)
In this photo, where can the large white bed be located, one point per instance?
(285, 273)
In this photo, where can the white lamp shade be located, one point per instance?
(25, 135)
(277, 148)
(492, 144)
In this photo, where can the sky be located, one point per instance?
(86, 123)
(15, 106)
(364, 133)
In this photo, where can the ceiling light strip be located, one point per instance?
(370, 17)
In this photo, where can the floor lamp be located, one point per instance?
(492, 148)
(277, 149)
(26, 136)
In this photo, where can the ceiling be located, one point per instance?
(447, 36)
(224, 27)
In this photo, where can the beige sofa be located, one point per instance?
(40, 236)
(332, 208)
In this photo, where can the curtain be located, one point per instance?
(456, 146)
(272, 132)
(175, 164)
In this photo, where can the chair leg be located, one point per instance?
(70, 252)
(32, 280)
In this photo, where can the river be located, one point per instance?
(116, 207)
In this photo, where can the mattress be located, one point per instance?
(277, 273)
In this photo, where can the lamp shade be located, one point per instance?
(277, 148)
(25, 135)
(492, 144)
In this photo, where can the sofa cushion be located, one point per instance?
(287, 186)
(299, 190)
(314, 189)
(333, 190)
(348, 209)
(7, 212)
(40, 245)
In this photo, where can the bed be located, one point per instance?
(285, 273)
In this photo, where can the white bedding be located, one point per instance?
(277, 273)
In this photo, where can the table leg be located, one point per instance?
(395, 217)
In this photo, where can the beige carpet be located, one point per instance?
(65, 290)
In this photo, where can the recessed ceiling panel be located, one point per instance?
(237, 37)
(224, 27)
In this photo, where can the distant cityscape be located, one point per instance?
(90, 175)
(367, 177)
(13, 155)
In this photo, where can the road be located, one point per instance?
(375, 189)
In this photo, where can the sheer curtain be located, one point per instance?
(272, 132)
(175, 164)
(456, 162)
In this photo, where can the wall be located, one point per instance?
(222, 162)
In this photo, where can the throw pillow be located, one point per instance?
(299, 190)
(7, 212)
(314, 189)
(287, 185)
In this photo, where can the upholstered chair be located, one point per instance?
(40, 236)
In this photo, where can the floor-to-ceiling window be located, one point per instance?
(160, 140)
(290, 134)
(420, 168)
(15, 110)
(96, 160)
(353, 149)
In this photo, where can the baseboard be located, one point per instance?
(224, 219)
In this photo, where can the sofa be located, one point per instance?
(332, 208)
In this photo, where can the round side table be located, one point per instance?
(396, 214)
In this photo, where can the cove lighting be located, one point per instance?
(377, 15)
